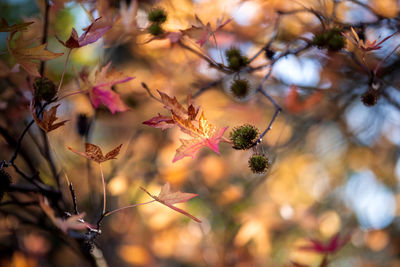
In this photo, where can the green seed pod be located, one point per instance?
(240, 88)
(331, 39)
(259, 163)
(5, 181)
(155, 29)
(45, 89)
(157, 16)
(235, 59)
(243, 137)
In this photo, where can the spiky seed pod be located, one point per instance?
(331, 39)
(155, 29)
(235, 59)
(157, 16)
(243, 137)
(45, 89)
(240, 88)
(5, 181)
(370, 97)
(259, 163)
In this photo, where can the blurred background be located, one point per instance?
(335, 165)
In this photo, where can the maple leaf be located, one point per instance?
(49, 117)
(92, 34)
(365, 46)
(24, 55)
(203, 32)
(94, 153)
(73, 222)
(295, 105)
(100, 91)
(204, 134)
(5, 27)
(331, 247)
(169, 198)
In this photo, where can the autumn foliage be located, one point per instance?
(270, 130)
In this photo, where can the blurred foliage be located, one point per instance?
(333, 164)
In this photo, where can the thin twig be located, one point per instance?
(73, 196)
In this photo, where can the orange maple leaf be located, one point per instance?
(24, 55)
(49, 117)
(202, 132)
(169, 198)
(94, 153)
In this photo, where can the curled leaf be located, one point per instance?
(94, 153)
(47, 123)
(169, 198)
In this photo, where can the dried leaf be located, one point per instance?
(92, 34)
(5, 27)
(163, 122)
(24, 55)
(94, 153)
(203, 32)
(169, 198)
(49, 117)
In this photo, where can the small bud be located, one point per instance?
(370, 98)
(157, 16)
(235, 59)
(259, 163)
(244, 137)
(5, 181)
(240, 88)
(155, 29)
(44, 89)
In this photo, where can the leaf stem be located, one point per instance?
(65, 68)
(126, 207)
(104, 189)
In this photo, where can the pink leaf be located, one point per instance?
(100, 89)
(108, 98)
(91, 35)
